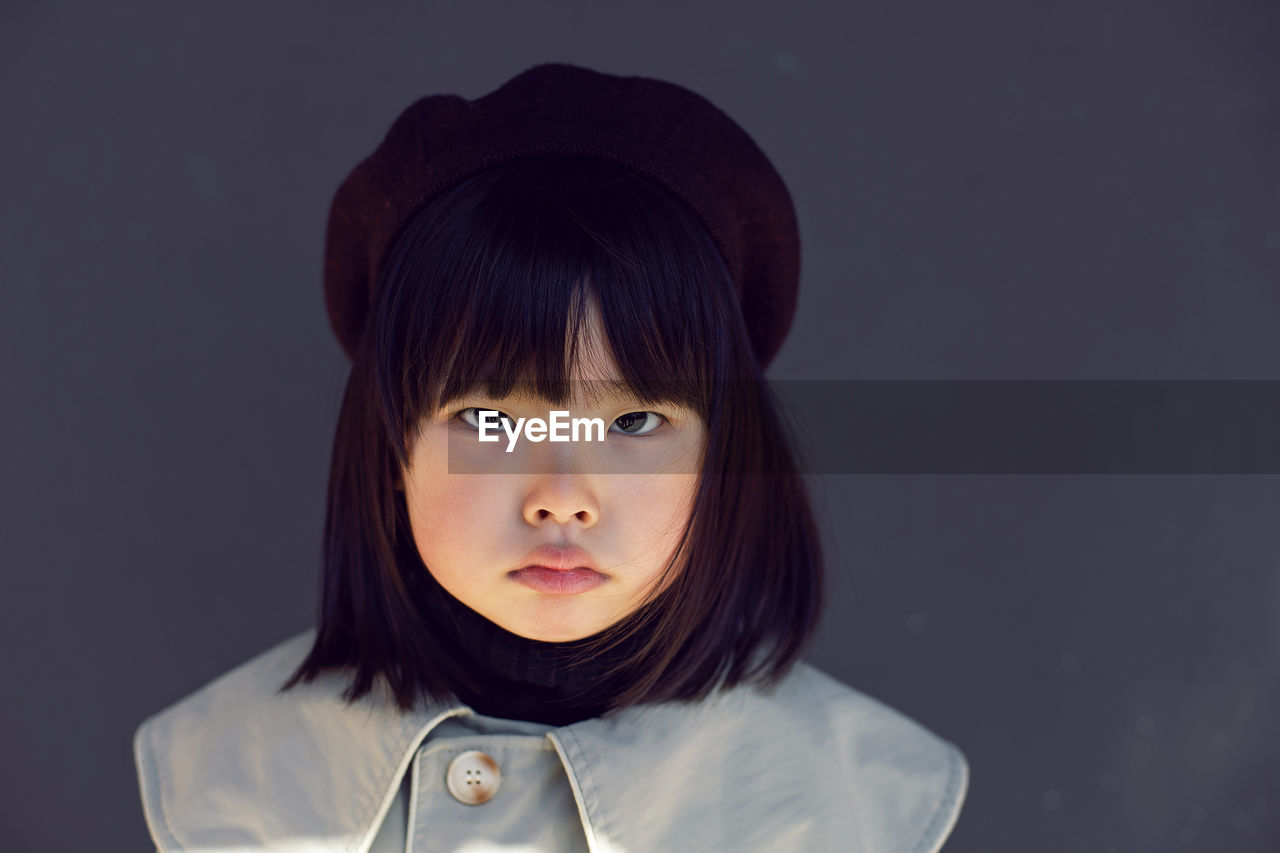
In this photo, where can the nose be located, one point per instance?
(562, 497)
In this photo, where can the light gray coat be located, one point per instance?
(814, 765)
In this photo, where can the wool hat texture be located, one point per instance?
(664, 131)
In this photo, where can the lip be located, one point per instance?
(559, 570)
(561, 558)
(559, 581)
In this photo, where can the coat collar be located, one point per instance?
(814, 765)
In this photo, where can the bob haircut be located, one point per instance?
(486, 286)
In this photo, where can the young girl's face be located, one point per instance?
(612, 511)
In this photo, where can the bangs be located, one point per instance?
(490, 287)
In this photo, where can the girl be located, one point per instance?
(543, 644)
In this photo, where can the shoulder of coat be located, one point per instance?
(175, 747)
(217, 768)
(904, 779)
(245, 697)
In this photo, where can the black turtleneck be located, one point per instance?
(523, 679)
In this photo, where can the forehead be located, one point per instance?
(581, 391)
(591, 374)
(594, 375)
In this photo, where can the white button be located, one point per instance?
(473, 777)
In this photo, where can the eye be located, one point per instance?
(640, 423)
(471, 417)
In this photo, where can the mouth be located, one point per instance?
(558, 581)
(559, 570)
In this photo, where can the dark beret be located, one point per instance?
(663, 131)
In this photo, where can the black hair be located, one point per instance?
(486, 285)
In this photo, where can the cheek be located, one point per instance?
(440, 503)
(661, 510)
(658, 517)
(449, 515)
(448, 495)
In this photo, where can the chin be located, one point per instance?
(555, 618)
(553, 630)
(557, 636)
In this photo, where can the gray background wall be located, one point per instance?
(989, 190)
